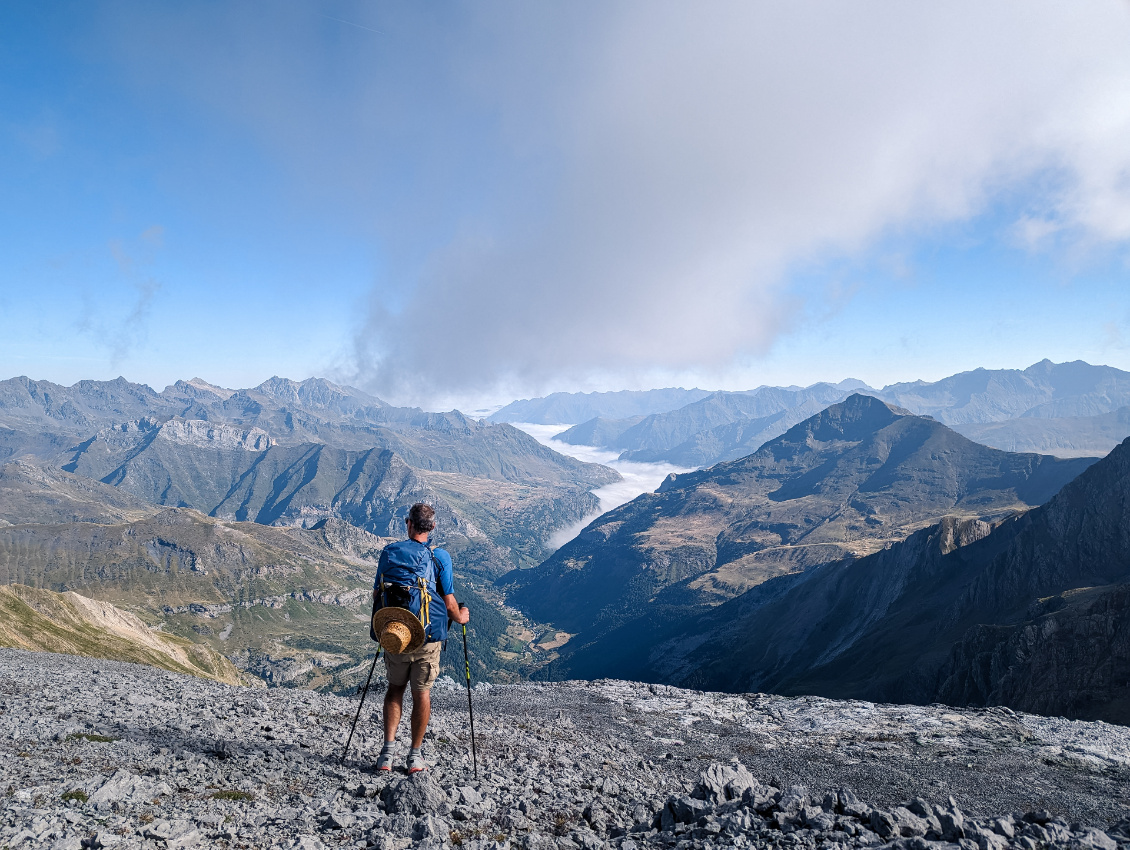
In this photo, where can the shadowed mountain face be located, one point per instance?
(1034, 614)
(846, 482)
(234, 474)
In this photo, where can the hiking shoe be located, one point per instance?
(384, 760)
(416, 762)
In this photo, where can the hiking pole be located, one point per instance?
(365, 692)
(470, 710)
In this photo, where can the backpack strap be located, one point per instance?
(438, 569)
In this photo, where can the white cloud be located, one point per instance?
(565, 191)
(700, 151)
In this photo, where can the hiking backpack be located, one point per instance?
(406, 578)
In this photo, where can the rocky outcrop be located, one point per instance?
(1071, 657)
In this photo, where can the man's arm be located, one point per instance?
(454, 612)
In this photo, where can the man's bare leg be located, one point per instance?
(421, 714)
(394, 701)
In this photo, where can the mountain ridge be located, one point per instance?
(1029, 613)
(1063, 409)
(846, 482)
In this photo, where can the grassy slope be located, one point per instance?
(44, 621)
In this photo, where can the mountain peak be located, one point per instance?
(852, 419)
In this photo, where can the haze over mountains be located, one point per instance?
(1067, 409)
(570, 408)
(833, 532)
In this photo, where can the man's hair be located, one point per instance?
(422, 517)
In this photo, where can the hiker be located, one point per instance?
(413, 598)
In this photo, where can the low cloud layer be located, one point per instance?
(558, 192)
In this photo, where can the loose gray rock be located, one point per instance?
(117, 755)
(417, 794)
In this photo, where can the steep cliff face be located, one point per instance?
(1071, 657)
(1032, 614)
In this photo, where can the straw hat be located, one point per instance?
(399, 629)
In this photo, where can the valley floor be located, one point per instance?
(100, 753)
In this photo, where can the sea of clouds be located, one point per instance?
(637, 478)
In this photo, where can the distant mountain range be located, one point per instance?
(50, 418)
(306, 454)
(1033, 613)
(836, 539)
(290, 452)
(1066, 409)
(721, 426)
(856, 477)
(569, 408)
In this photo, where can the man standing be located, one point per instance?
(412, 576)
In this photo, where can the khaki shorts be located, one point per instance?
(420, 667)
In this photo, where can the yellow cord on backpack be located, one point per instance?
(425, 603)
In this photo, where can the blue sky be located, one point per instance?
(463, 203)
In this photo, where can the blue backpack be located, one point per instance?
(406, 578)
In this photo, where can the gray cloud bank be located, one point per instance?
(564, 191)
(701, 150)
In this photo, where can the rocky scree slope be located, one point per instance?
(102, 754)
(845, 482)
(1034, 614)
(36, 619)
